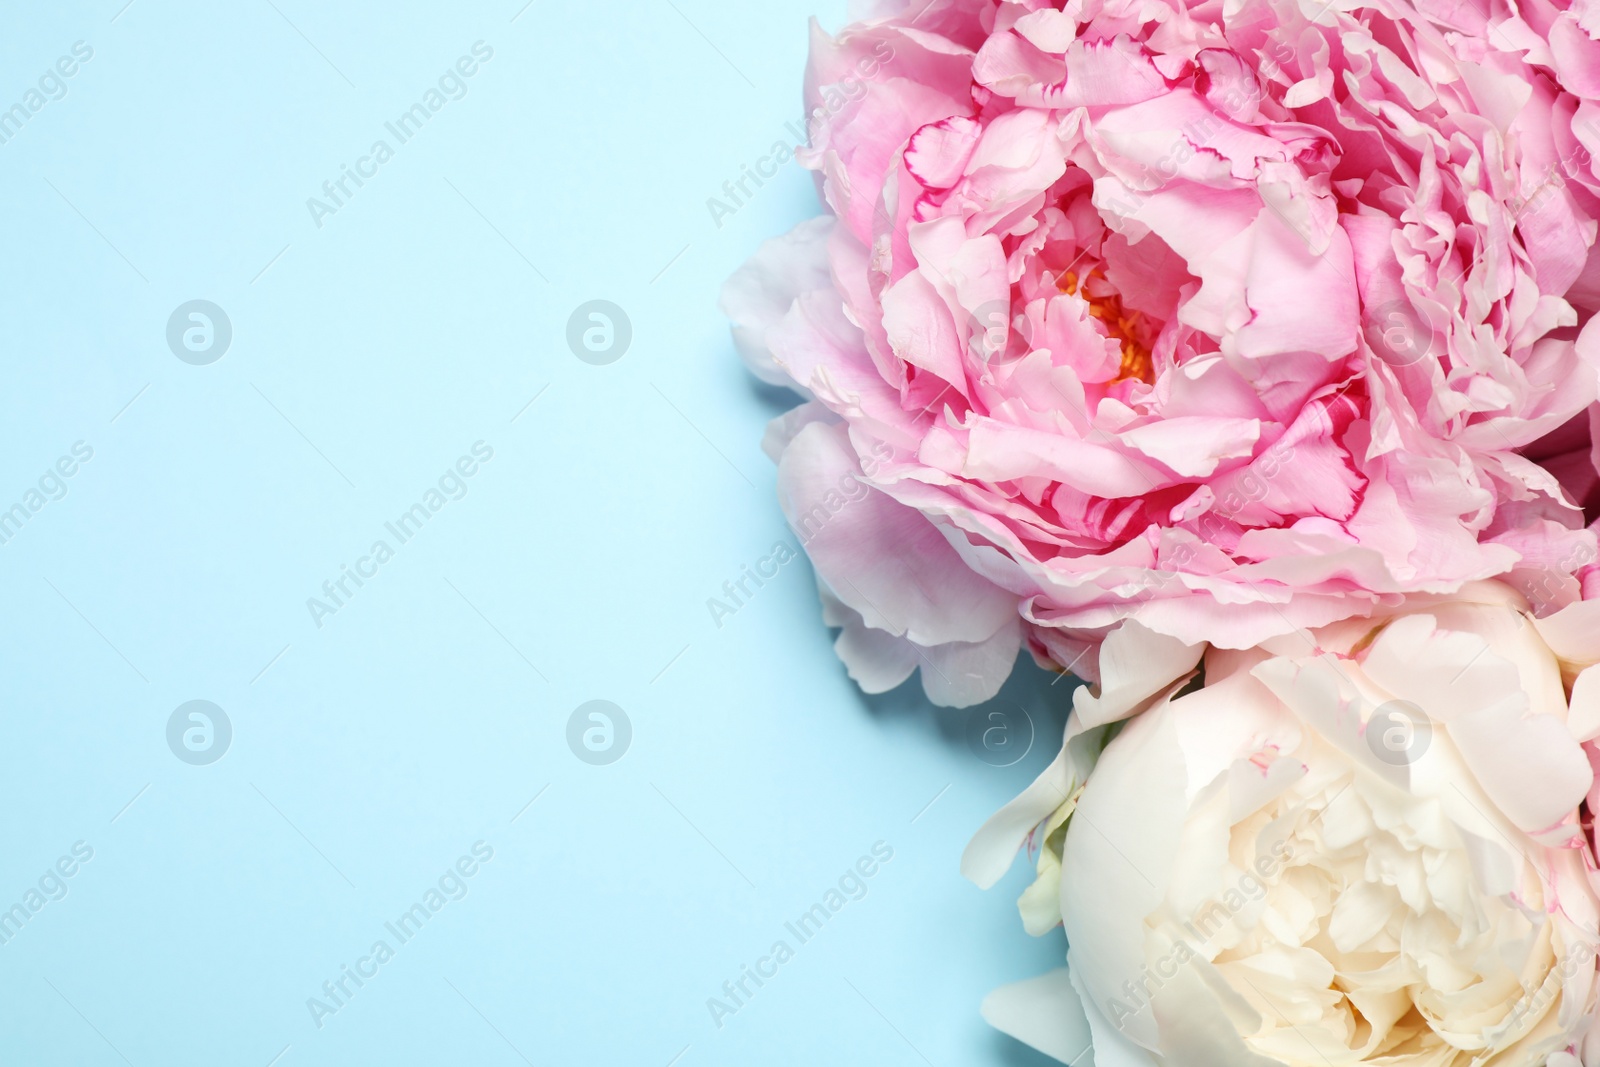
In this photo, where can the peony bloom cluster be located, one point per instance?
(1231, 320)
(1373, 847)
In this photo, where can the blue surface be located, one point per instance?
(371, 752)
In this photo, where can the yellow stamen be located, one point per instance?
(1121, 324)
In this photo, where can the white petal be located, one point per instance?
(1200, 1014)
(1044, 1012)
(1573, 633)
(993, 848)
(1112, 1047)
(1583, 716)
(1135, 665)
(1529, 765)
(1119, 853)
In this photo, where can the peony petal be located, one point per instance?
(994, 847)
(877, 660)
(1194, 446)
(1135, 666)
(1573, 633)
(959, 674)
(1529, 765)
(759, 294)
(1118, 852)
(1583, 718)
(1045, 1013)
(1112, 1046)
(885, 560)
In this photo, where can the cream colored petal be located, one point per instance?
(1045, 1013)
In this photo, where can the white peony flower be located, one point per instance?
(1366, 844)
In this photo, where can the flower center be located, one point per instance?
(1105, 304)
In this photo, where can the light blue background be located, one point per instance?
(368, 354)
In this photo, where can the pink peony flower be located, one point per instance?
(1231, 319)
